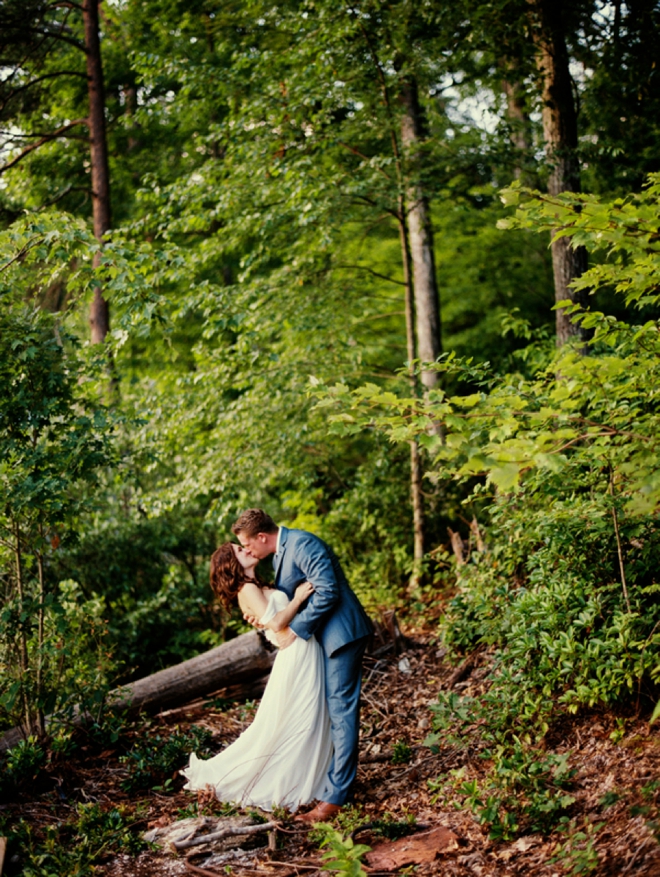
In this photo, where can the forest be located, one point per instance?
(389, 270)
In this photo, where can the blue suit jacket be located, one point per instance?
(333, 613)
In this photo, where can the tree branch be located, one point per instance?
(375, 273)
(68, 4)
(14, 136)
(24, 249)
(59, 36)
(41, 79)
(45, 139)
(63, 193)
(365, 157)
(225, 832)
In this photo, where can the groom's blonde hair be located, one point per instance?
(253, 521)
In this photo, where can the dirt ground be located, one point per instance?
(614, 817)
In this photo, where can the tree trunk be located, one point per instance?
(239, 660)
(415, 460)
(22, 638)
(41, 722)
(99, 315)
(420, 236)
(411, 304)
(561, 140)
(521, 131)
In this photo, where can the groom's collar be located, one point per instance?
(282, 534)
(277, 558)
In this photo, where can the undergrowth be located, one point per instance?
(72, 848)
(153, 763)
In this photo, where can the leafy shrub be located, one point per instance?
(54, 441)
(149, 574)
(578, 855)
(70, 849)
(343, 855)
(392, 828)
(401, 753)
(562, 466)
(153, 760)
(22, 763)
(565, 468)
(70, 648)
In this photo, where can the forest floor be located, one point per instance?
(612, 826)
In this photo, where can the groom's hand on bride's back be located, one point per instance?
(285, 638)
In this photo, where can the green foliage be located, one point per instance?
(53, 443)
(72, 848)
(578, 855)
(152, 762)
(256, 166)
(563, 465)
(392, 828)
(22, 763)
(401, 752)
(153, 578)
(452, 714)
(526, 790)
(343, 856)
(567, 471)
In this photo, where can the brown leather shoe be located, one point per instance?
(323, 812)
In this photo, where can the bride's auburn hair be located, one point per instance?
(227, 575)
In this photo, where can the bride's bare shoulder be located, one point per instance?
(252, 598)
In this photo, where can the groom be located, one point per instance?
(334, 615)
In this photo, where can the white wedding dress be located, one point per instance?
(283, 757)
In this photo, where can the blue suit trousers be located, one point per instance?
(343, 681)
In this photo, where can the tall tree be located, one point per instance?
(99, 314)
(420, 230)
(518, 119)
(42, 48)
(560, 133)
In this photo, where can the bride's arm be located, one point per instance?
(284, 617)
(253, 602)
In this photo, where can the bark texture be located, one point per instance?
(416, 497)
(560, 133)
(521, 129)
(420, 236)
(99, 315)
(238, 660)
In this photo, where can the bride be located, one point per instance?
(283, 757)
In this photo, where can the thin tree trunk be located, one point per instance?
(99, 316)
(415, 460)
(22, 640)
(420, 235)
(40, 634)
(410, 303)
(561, 140)
(521, 129)
(130, 99)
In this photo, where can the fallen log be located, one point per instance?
(244, 659)
(240, 660)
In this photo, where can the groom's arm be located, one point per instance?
(315, 562)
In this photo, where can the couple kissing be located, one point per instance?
(303, 743)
